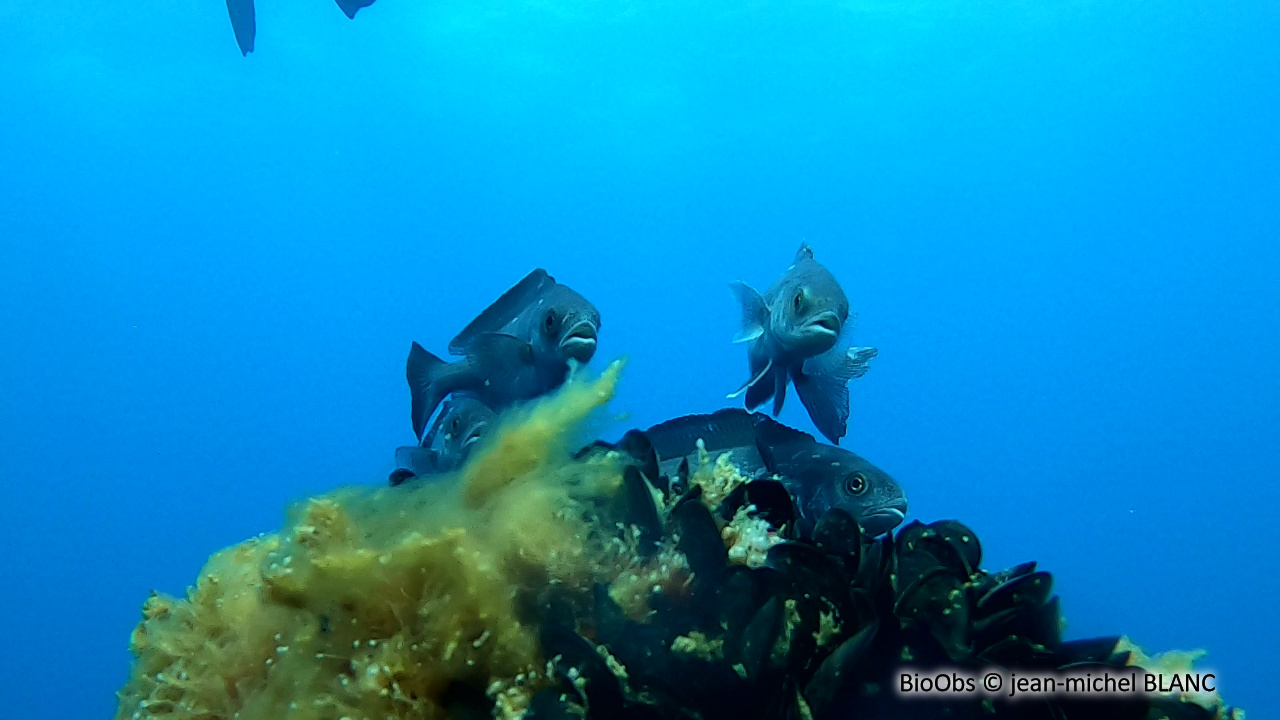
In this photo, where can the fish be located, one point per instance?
(799, 332)
(244, 25)
(819, 476)
(559, 324)
(498, 370)
(463, 421)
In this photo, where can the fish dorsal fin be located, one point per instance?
(721, 430)
(503, 310)
(804, 253)
(774, 433)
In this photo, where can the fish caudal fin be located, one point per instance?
(424, 371)
(242, 23)
(755, 313)
(825, 394)
(349, 7)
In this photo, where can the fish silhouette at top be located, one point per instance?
(519, 348)
(799, 332)
(244, 23)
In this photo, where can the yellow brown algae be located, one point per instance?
(699, 645)
(828, 626)
(747, 536)
(1178, 663)
(370, 602)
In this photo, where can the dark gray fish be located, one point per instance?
(559, 324)
(245, 27)
(498, 371)
(818, 475)
(463, 421)
(800, 331)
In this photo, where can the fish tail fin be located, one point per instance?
(755, 313)
(350, 7)
(823, 389)
(426, 374)
(242, 23)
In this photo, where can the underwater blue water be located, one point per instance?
(1059, 223)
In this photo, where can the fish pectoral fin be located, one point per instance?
(754, 380)
(486, 348)
(755, 313)
(826, 398)
(779, 391)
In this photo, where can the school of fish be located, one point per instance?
(798, 333)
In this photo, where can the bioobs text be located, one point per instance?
(1011, 685)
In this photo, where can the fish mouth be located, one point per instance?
(473, 437)
(580, 342)
(882, 520)
(827, 323)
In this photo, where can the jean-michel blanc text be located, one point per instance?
(1012, 684)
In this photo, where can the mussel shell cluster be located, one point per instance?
(819, 630)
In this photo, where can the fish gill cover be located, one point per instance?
(540, 582)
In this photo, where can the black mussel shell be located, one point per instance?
(877, 557)
(554, 704)
(937, 600)
(680, 483)
(837, 669)
(953, 544)
(816, 585)
(755, 649)
(739, 594)
(634, 506)
(699, 537)
(467, 701)
(1022, 591)
(772, 500)
(1099, 650)
(596, 445)
(1013, 651)
(636, 444)
(602, 690)
(838, 533)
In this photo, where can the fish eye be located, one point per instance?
(855, 483)
(549, 322)
(798, 300)
(453, 425)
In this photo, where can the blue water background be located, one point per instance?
(1059, 222)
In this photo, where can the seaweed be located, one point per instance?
(543, 582)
